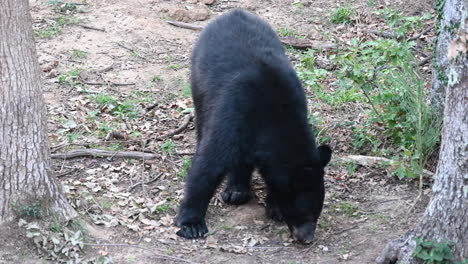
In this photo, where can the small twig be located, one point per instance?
(146, 183)
(184, 25)
(151, 107)
(185, 153)
(368, 161)
(99, 153)
(306, 43)
(372, 104)
(161, 256)
(344, 230)
(65, 173)
(108, 83)
(91, 27)
(422, 33)
(131, 50)
(182, 127)
(384, 34)
(425, 60)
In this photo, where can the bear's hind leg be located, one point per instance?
(238, 185)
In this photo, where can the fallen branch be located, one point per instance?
(370, 161)
(184, 25)
(131, 50)
(160, 256)
(425, 60)
(306, 43)
(422, 33)
(182, 127)
(91, 27)
(130, 189)
(108, 83)
(384, 34)
(99, 153)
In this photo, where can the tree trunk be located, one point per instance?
(449, 13)
(25, 177)
(446, 215)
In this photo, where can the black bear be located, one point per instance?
(251, 113)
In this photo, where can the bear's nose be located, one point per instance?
(304, 233)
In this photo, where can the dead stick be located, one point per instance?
(182, 127)
(422, 33)
(184, 25)
(104, 153)
(425, 60)
(109, 83)
(368, 161)
(146, 183)
(384, 34)
(140, 247)
(92, 28)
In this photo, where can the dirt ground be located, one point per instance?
(125, 49)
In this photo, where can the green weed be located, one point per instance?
(55, 26)
(78, 54)
(285, 32)
(187, 162)
(72, 137)
(168, 146)
(32, 210)
(346, 208)
(435, 252)
(70, 77)
(186, 91)
(341, 15)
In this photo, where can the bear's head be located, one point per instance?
(301, 203)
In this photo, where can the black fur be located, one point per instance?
(250, 112)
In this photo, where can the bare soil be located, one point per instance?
(140, 52)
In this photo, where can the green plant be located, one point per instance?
(174, 66)
(285, 32)
(55, 26)
(62, 7)
(70, 77)
(346, 208)
(156, 78)
(32, 210)
(341, 15)
(168, 146)
(187, 162)
(121, 109)
(78, 54)
(400, 24)
(433, 252)
(72, 137)
(186, 91)
(115, 146)
(385, 73)
(161, 208)
(351, 168)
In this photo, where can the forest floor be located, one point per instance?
(116, 77)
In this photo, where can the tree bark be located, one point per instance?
(450, 12)
(446, 215)
(25, 177)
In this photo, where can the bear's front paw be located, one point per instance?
(273, 212)
(231, 196)
(191, 229)
(195, 230)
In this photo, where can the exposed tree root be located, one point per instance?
(398, 251)
(181, 128)
(99, 153)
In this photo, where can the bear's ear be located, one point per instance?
(325, 154)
